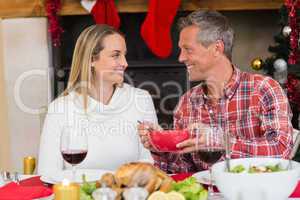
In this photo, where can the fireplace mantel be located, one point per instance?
(35, 8)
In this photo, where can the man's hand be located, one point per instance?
(190, 145)
(144, 130)
(197, 139)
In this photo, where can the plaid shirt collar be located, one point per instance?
(199, 97)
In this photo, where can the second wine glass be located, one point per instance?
(73, 146)
(211, 146)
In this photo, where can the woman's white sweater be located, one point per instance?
(112, 129)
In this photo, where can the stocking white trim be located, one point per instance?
(88, 4)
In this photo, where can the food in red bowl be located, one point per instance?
(166, 141)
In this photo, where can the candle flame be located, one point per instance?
(65, 182)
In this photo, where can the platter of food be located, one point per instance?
(143, 177)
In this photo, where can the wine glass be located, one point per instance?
(210, 147)
(73, 146)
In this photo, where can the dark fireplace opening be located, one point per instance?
(144, 68)
(169, 75)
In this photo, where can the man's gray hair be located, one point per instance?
(213, 26)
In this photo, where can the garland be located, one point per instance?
(55, 30)
(293, 90)
(292, 5)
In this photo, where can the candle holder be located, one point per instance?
(29, 165)
(66, 191)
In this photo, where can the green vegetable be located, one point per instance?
(190, 189)
(86, 189)
(252, 170)
(238, 169)
(258, 169)
(274, 168)
(84, 196)
(203, 195)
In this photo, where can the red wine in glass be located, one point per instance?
(211, 156)
(210, 147)
(73, 146)
(74, 157)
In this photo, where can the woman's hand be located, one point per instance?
(144, 130)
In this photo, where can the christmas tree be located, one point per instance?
(284, 64)
(283, 49)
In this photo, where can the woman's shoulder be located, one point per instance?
(60, 103)
(132, 96)
(133, 90)
(138, 99)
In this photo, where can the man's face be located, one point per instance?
(197, 58)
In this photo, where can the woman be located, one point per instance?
(98, 102)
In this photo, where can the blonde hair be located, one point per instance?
(87, 49)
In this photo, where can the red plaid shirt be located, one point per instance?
(254, 110)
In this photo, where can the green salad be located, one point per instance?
(86, 189)
(257, 169)
(190, 189)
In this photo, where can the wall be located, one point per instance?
(26, 64)
(254, 34)
(5, 163)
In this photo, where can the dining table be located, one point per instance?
(35, 181)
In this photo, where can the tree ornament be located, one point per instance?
(280, 74)
(280, 65)
(286, 31)
(257, 64)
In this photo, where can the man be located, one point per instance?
(251, 107)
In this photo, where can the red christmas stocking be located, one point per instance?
(103, 11)
(156, 28)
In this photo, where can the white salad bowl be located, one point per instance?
(256, 186)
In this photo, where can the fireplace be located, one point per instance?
(169, 76)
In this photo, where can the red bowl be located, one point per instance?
(166, 141)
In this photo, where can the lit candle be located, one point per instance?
(66, 191)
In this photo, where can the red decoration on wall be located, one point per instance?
(292, 5)
(156, 28)
(103, 11)
(52, 8)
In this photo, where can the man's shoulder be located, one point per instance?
(254, 76)
(194, 92)
(258, 80)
